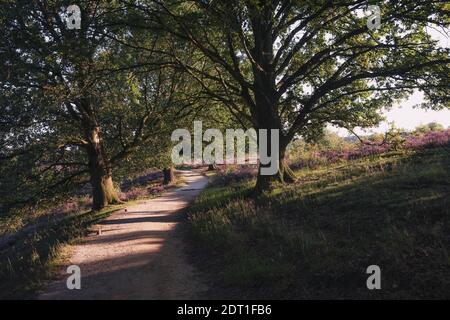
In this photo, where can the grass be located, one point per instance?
(315, 238)
(29, 262)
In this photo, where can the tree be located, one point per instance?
(73, 104)
(297, 65)
(432, 126)
(169, 175)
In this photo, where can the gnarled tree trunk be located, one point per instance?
(169, 175)
(284, 174)
(103, 191)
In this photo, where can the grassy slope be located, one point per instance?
(26, 264)
(315, 239)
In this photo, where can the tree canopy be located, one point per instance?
(74, 105)
(77, 104)
(297, 65)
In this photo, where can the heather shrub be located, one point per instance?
(133, 194)
(429, 139)
(329, 148)
(229, 174)
(302, 154)
(313, 239)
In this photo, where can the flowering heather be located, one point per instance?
(140, 192)
(72, 205)
(142, 180)
(430, 139)
(133, 194)
(230, 174)
(367, 150)
(411, 141)
(139, 187)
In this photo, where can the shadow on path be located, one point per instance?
(139, 255)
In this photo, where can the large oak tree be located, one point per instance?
(74, 104)
(298, 65)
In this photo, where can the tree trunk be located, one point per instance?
(263, 183)
(169, 175)
(103, 191)
(265, 113)
(284, 175)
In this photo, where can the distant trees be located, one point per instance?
(297, 65)
(432, 126)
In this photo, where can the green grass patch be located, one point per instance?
(315, 238)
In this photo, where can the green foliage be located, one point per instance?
(298, 65)
(139, 69)
(61, 85)
(432, 126)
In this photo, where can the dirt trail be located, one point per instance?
(139, 255)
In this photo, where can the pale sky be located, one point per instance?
(405, 116)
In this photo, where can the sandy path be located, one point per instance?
(139, 255)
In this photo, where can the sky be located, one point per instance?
(402, 114)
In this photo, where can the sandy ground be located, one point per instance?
(139, 255)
